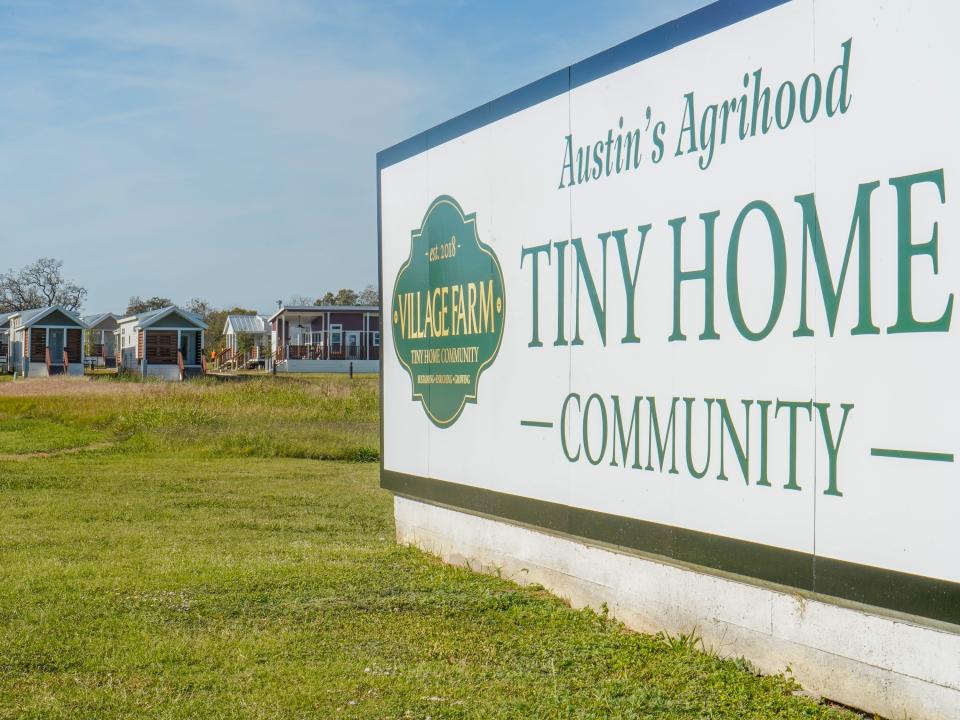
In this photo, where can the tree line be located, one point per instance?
(344, 296)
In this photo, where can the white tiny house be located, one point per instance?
(166, 343)
(250, 330)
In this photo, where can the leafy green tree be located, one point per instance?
(138, 305)
(245, 342)
(215, 320)
(345, 297)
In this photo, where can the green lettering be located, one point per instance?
(779, 270)
(907, 250)
(813, 236)
(706, 274)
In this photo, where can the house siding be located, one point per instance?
(37, 344)
(161, 346)
(349, 321)
(57, 319)
(173, 320)
(74, 345)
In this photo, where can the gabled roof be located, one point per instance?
(304, 309)
(146, 319)
(35, 315)
(247, 324)
(5, 321)
(94, 320)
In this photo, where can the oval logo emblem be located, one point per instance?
(448, 308)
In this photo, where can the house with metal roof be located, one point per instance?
(246, 341)
(239, 330)
(166, 343)
(326, 338)
(46, 341)
(100, 350)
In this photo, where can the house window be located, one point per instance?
(336, 337)
(376, 338)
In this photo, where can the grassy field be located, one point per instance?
(222, 550)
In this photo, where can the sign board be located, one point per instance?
(695, 297)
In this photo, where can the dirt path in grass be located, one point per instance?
(69, 386)
(102, 445)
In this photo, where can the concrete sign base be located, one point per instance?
(893, 665)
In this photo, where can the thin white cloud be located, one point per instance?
(144, 142)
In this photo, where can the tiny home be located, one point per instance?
(46, 341)
(166, 343)
(4, 341)
(101, 345)
(326, 338)
(243, 333)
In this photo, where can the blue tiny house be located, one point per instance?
(46, 341)
(5, 342)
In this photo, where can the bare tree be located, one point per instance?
(300, 300)
(39, 284)
(201, 308)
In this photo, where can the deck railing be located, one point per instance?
(327, 345)
(230, 360)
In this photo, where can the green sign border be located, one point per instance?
(927, 601)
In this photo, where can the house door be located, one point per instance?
(56, 344)
(188, 346)
(353, 344)
(336, 340)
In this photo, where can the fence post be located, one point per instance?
(351, 369)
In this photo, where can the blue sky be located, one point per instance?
(225, 149)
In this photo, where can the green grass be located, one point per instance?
(179, 572)
(35, 435)
(323, 418)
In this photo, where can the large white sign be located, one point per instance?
(696, 297)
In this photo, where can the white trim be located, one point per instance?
(165, 312)
(319, 309)
(35, 320)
